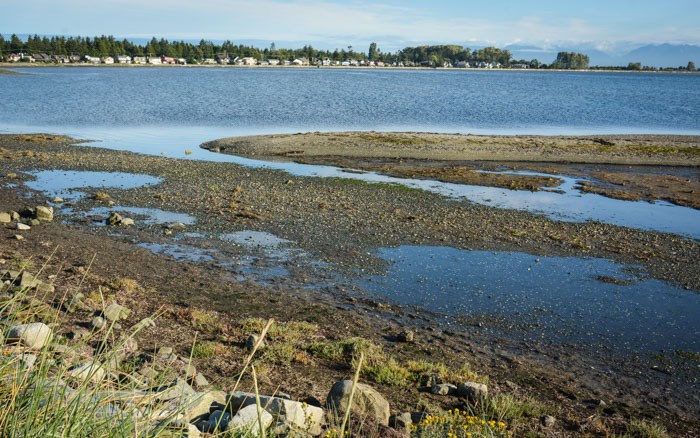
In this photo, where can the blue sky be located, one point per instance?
(606, 25)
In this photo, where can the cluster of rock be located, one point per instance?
(115, 218)
(27, 218)
(165, 387)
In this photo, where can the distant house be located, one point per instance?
(462, 64)
(139, 60)
(108, 60)
(223, 60)
(14, 57)
(300, 61)
(519, 66)
(167, 60)
(324, 62)
(91, 59)
(59, 59)
(41, 57)
(181, 61)
(273, 61)
(286, 62)
(209, 61)
(124, 59)
(74, 58)
(248, 60)
(155, 60)
(379, 64)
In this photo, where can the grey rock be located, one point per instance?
(218, 421)
(144, 323)
(34, 222)
(473, 391)
(35, 335)
(22, 227)
(75, 303)
(201, 404)
(43, 213)
(127, 221)
(115, 312)
(58, 200)
(92, 371)
(444, 389)
(291, 415)
(431, 380)
(18, 237)
(5, 218)
(178, 389)
(14, 216)
(27, 361)
(79, 333)
(548, 421)
(200, 381)
(401, 422)
(246, 420)
(367, 401)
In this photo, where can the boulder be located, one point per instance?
(290, 415)
(35, 335)
(44, 214)
(201, 404)
(127, 221)
(115, 312)
(218, 421)
(252, 341)
(178, 389)
(368, 402)
(473, 391)
(114, 218)
(402, 422)
(443, 389)
(98, 323)
(201, 382)
(5, 218)
(92, 371)
(548, 421)
(246, 420)
(22, 227)
(406, 336)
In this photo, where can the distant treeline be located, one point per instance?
(193, 53)
(103, 46)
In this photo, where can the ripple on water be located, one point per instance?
(556, 298)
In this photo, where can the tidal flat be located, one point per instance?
(304, 245)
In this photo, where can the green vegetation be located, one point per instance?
(570, 61)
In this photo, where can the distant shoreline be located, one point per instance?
(13, 65)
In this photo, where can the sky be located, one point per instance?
(602, 24)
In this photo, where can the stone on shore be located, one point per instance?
(473, 391)
(246, 420)
(291, 415)
(35, 335)
(368, 402)
(5, 218)
(115, 312)
(444, 389)
(22, 227)
(43, 213)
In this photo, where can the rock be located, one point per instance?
(114, 218)
(92, 371)
(79, 333)
(291, 415)
(34, 222)
(27, 361)
(5, 218)
(548, 421)
(473, 391)
(246, 420)
(14, 216)
(218, 421)
(44, 214)
(115, 312)
(201, 405)
(406, 336)
(18, 237)
(175, 226)
(22, 227)
(98, 323)
(58, 200)
(431, 379)
(402, 422)
(200, 381)
(127, 221)
(367, 402)
(444, 389)
(35, 335)
(252, 341)
(178, 389)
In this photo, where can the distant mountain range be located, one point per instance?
(653, 55)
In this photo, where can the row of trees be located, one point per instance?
(436, 55)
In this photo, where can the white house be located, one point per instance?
(273, 61)
(155, 60)
(248, 61)
(124, 59)
(301, 61)
(210, 61)
(92, 59)
(13, 57)
(108, 60)
(139, 60)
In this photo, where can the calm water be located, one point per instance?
(554, 298)
(287, 100)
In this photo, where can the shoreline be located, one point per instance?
(322, 217)
(9, 65)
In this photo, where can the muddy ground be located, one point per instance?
(341, 223)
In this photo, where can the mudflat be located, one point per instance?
(341, 223)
